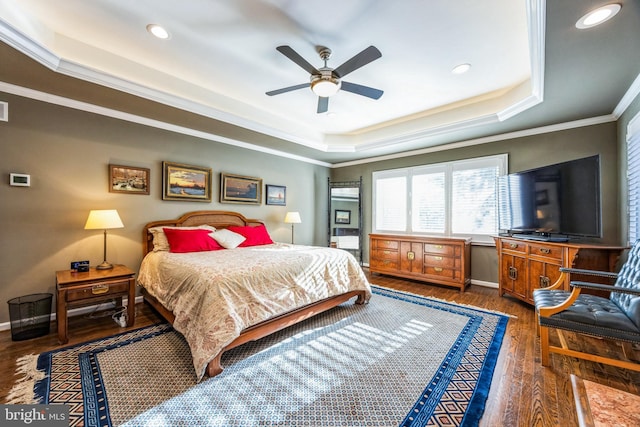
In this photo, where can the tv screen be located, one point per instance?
(559, 199)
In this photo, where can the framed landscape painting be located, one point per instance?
(185, 182)
(276, 195)
(240, 189)
(342, 217)
(128, 179)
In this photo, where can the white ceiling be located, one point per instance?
(221, 59)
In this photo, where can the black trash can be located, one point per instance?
(30, 316)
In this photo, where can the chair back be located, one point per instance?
(629, 277)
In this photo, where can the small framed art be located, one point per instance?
(342, 217)
(186, 182)
(128, 179)
(276, 195)
(240, 189)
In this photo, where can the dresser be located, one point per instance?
(444, 261)
(525, 265)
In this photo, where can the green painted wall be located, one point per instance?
(67, 153)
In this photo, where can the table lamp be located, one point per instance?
(292, 218)
(103, 220)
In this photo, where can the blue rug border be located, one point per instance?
(420, 413)
(91, 373)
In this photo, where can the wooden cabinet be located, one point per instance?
(445, 261)
(525, 265)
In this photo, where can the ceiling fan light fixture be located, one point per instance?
(598, 16)
(325, 87)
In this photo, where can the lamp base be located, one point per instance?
(104, 266)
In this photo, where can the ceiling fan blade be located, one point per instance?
(323, 104)
(367, 91)
(363, 58)
(287, 89)
(295, 57)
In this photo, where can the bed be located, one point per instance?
(219, 299)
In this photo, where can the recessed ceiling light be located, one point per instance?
(598, 16)
(158, 31)
(461, 69)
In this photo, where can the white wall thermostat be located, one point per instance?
(19, 180)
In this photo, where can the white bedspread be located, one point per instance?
(215, 295)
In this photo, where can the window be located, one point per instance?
(449, 199)
(633, 177)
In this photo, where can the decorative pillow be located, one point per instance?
(254, 236)
(160, 242)
(227, 238)
(197, 240)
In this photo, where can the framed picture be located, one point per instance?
(276, 195)
(128, 179)
(240, 189)
(185, 182)
(342, 217)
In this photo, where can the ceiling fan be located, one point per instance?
(326, 81)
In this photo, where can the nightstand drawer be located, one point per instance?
(98, 289)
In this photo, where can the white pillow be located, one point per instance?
(227, 238)
(160, 242)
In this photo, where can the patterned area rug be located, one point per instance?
(400, 360)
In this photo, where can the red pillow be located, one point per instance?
(254, 236)
(190, 240)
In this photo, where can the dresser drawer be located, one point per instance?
(98, 289)
(514, 245)
(384, 254)
(386, 244)
(434, 248)
(546, 251)
(383, 264)
(440, 272)
(439, 261)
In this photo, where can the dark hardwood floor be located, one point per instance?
(523, 393)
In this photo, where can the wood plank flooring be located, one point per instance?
(523, 393)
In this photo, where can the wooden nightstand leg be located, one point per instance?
(61, 317)
(131, 303)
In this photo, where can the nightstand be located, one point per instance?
(75, 289)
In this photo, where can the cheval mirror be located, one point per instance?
(345, 216)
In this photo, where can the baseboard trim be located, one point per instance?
(78, 311)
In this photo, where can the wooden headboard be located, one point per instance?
(217, 219)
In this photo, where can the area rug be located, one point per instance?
(401, 360)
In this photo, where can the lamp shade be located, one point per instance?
(292, 218)
(103, 220)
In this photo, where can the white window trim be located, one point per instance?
(633, 137)
(448, 167)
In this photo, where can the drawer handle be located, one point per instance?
(439, 258)
(386, 262)
(544, 282)
(386, 252)
(439, 246)
(545, 250)
(513, 245)
(100, 289)
(411, 256)
(437, 269)
(513, 273)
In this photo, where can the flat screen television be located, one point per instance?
(553, 202)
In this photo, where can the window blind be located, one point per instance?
(633, 177)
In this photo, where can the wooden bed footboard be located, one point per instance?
(267, 327)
